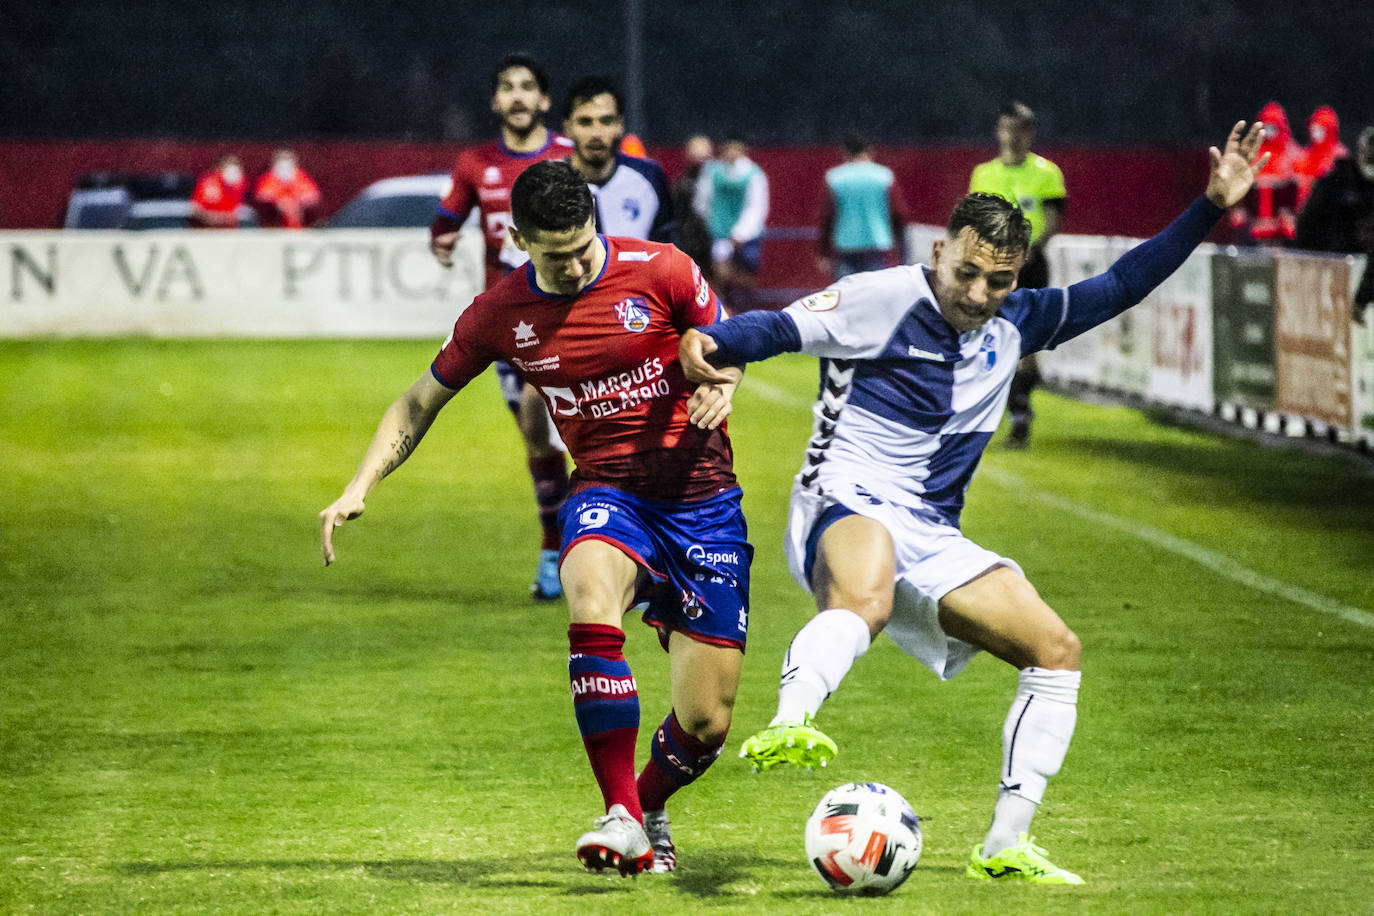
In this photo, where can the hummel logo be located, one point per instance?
(635, 255)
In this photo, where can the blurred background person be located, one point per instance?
(1268, 214)
(1324, 147)
(482, 178)
(1339, 215)
(732, 196)
(692, 235)
(218, 195)
(1036, 185)
(285, 195)
(631, 192)
(863, 217)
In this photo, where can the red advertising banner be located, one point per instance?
(1312, 337)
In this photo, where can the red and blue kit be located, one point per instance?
(605, 362)
(647, 480)
(482, 178)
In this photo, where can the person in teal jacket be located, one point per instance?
(864, 219)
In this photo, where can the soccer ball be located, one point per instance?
(863, 838)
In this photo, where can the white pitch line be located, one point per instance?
(1217, 562)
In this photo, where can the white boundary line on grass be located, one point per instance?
(1218, 563)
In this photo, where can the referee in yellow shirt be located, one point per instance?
(1037, 186)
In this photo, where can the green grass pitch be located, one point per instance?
(197, 717)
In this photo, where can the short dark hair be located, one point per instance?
(588, 88)
(1020, 112)
(855, 144)
(550, 196)
(520, 60)
(995, 220)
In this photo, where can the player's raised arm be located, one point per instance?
(403, 426)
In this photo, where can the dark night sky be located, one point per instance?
(1163, 73)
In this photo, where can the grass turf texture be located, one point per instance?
(195, 716)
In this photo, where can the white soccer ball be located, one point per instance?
(863, 838)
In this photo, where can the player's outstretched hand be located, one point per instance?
(346, 508)
(442, 246)
(1234, 169)
(692, 351)
(709, 405)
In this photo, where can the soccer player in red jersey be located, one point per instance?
(482, 178)
(653, 519)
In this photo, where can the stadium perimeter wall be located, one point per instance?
(1261, 337)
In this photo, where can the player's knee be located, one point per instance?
(1062, 652)
(708, 725)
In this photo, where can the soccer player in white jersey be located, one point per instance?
(631, 193)
(916, 364)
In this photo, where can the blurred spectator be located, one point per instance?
(864, 216)
(218, 194)
(285, 195)
(1339, 215)
(692, 235)
(631, 145)
(1036, 185)
(732, 197)
(1268, 214)
(1324, 147)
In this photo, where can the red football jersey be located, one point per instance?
(482, 177)
(605, 361)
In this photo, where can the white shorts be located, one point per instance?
(933, 558)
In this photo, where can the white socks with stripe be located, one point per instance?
(818, 659)
(1035, 738)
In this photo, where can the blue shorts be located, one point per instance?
(696, 555)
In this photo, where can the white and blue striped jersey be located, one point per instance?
(635, 201)
(907, 403)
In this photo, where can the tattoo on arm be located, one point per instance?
(401, 450)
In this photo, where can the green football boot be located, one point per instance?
(799, 744)
(1023, 862)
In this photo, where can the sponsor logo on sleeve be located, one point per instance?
(703, 291)
(823, 301)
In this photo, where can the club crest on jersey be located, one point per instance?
(525, 336)
(633, 313)
(492, 175)
(990, 348)
(823, 301)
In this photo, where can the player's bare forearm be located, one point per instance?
(402, 427)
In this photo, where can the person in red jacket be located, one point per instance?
(1268, 214)
(1324, 147)
(218, 194)
(286, 196)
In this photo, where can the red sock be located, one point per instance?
(606, 704)
(675, 760)
(550, 476)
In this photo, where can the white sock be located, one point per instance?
(1035, 738)
(818, 659)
